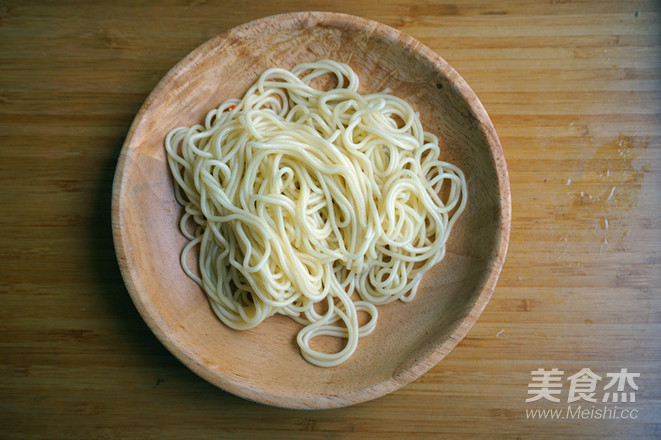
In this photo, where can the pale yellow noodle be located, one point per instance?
(300, 196)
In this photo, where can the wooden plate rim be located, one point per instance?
(406, 372)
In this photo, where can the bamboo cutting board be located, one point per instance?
(573, 90)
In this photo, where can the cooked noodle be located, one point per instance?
(299, 196)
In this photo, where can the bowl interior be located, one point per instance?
(264, 364)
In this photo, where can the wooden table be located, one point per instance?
(574, 91)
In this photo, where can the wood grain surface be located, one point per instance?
(573, 89)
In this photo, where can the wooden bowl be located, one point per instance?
(264, 364)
